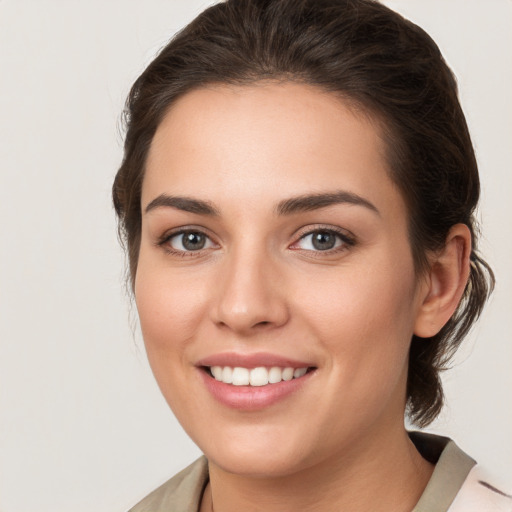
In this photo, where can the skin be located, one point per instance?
(259, 285)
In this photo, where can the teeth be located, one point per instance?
(216, 372)
(227, 375)
(299, 372)
(288, 374)
(259, 376)
(240, 376)
(275, 375)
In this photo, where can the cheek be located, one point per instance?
(364, 317)
(378, 295)
(169, 310)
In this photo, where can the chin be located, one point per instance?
(258, 453)
(261, 464)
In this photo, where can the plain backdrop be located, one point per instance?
(82, 424)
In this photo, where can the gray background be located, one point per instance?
(82, 424)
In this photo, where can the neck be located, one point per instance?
(377, 473)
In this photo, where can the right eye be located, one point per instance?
(188, 241)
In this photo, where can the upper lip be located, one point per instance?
(252, 360)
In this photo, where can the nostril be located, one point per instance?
(262, 324)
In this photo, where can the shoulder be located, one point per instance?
(182, 493)
(481, 492)
(458, 483)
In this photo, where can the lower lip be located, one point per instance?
(250, 398)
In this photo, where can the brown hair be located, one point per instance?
(365, 52)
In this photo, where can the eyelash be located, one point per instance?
(164, 242)
(347, 241)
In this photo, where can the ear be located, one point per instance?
(444, 283)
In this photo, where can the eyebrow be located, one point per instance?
(298, 204)
(309, 202)
(186, 204)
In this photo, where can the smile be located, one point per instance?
(254, 382)
(260, 376)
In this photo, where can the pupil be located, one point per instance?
(323, 240)
(193, 241)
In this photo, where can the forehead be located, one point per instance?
(262, 141)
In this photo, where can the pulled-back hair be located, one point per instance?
(378, 61)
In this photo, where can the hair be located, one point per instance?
(377, 60)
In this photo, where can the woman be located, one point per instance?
(297, 199)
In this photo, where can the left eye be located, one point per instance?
(321, 240)
(190, 241)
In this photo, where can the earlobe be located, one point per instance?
(445, 283)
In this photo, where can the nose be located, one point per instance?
(250, 295)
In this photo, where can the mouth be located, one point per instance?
(254, 382)
(256, 377)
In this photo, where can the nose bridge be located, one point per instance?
(249, 296)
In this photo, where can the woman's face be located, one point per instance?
(273, 238)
